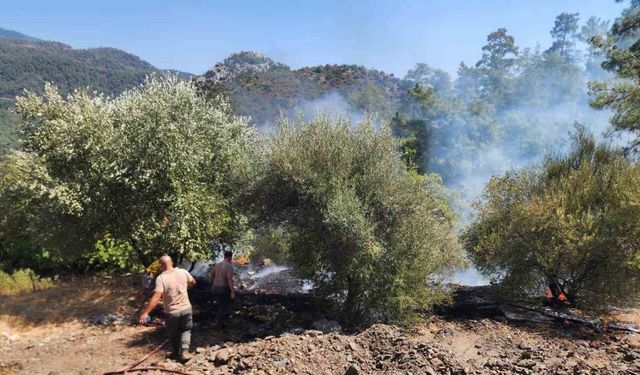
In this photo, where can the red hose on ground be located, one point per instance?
(152, 368)
(128, 367)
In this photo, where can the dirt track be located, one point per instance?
(41, 336)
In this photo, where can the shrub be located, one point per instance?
(22, 281)
(18, 254)
(367, 231)
(112, 255)
(572, 222)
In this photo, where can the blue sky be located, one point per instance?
(193, 35)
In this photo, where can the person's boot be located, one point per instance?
(184, 356)
(175, 356)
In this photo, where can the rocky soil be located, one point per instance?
(436, 347)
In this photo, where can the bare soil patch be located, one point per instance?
(49, 331)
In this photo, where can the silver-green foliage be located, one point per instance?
(573, 222)
(365, 229)
(158, 167)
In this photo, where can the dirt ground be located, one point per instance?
(80, 327)
(48, 331)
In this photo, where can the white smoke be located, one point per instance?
(526, 135)
(268, 270)
(332, 104)
(548, 131)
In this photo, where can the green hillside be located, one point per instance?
(28, 63)
(10, 34)
(261, 88)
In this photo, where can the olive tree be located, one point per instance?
(368, 232)
(158, 167)
(572, 223)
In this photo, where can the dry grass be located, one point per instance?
(22, 281)
(75, 300)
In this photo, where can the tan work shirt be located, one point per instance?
(173, 287)
(221, 271)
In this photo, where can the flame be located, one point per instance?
(563, 298)
(241, 260)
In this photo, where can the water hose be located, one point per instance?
(132, 366)
(152, 368)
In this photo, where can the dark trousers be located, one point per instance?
(222, 296)
(179, 327)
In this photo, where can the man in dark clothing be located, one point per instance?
(223, 290)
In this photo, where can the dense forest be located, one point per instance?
(28, 64)
(356, 202)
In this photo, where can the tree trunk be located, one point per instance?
(559, 296)
(141, 257)
(180, 258)
(352, 304)
(33, 282)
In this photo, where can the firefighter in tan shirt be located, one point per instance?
(171, 286)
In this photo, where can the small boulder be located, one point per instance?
(352, 370)
(282, 363)
(222, 357)
(313, 333)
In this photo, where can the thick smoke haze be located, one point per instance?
(525, 135)
(508, 111)
(551, 127)
(548, 131)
